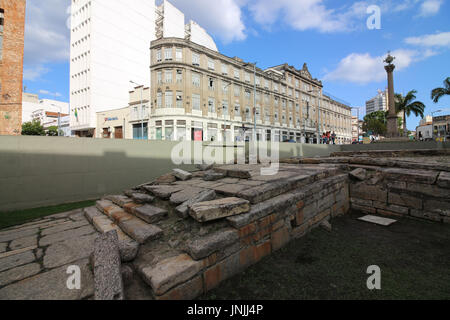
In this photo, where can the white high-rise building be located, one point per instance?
(110, 46)
(378, 103)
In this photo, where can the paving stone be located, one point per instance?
(51, 285)
(140, 231)
(65, 235)
(64, 214)
(108, 283)
(150, 214)
(184, 195)
(203, 247)
(230, 190)
(17, 234)
(78, 216)
(128, 247)
(119, 200)
(3, 247)
(171, 272)
(19, 273)
(64, 226)
(213, 175)
(92, 212)
(142, 198)
(68, 251)
(206, 195)
(217, 209)
(358, 174)
(444, 180)
(164, 191)
(16, 260)
(182, 175)
(409, 175)
(23, 242)
(29, 225)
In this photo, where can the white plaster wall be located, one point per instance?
(173, 22)
(201, 37)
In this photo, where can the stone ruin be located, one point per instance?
(183, 234)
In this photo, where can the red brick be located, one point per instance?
(247, 257)
(299, 218)
(209, 261)
(300, 204)
(280, 238)
(212, 277)
(247, 230)
(262, 250)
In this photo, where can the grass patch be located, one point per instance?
(414, 258)
(14, 218)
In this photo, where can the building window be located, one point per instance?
(179, 76)
(179, 99)
(211, 105)
(225, 86)
(236, 74)
(224, 69)
(258, 81)
(237, 91)
(237, 110)
(195, 59)
(196, 80)
(169, 99)
(247, 77)
(140, 131)
(158, 55)
(247, 94)
(266, 84)
(225, 107)
(196, 102)
(179, 54)
(211, 64)
(159, 100)
(211, 83)
(275, 87)
(168, 54)
(168, 76)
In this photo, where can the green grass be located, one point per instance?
(10, 219)
(413, 256)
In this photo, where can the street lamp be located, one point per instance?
(142, 110)
(432, 122)
(59, 118)
(254, 97)
(224, 116)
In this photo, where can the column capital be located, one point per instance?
(389, 68)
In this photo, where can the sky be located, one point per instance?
(339, 40)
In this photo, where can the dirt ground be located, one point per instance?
(414, 257)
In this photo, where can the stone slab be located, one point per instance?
(171, 272)
(3, 247)
(184, 195)
(140, 231)
(64, 226)
(119, 200)
(203, 247)
(17, 234)
(19, 273)
(68, 251)
(91, 212)
(358, 174)
(51, 285)
(218, 209)
(206, 195)
(108, 283)
(444, 180)
(23, 242)
(150, 214)
(142, 198)
(378, 220)
(409, 175)
(182, 175)
(16, 260)
(65, 235)
(163, 191)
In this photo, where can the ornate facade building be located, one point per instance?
(199, 94)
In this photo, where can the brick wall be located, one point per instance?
(11, 67)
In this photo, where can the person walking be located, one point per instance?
(333, 137)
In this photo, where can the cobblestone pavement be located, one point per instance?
(34, 258)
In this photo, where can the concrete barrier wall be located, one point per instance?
(43, 171)
(396, 146)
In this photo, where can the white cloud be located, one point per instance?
(429, 8)
(34, 72)
(362, 68)
(48, 93)
(221, 18)
(431, 40)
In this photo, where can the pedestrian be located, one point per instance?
(333, 137)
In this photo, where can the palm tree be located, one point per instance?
(408, 105)
(438, 93)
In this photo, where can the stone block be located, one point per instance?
(405, 200)
(186, 291)
(16, 260)
(150, 214)
(119, 200)
(362, 202)
(363, 209)
(280, 238)
(217, 209)
(19, 273)
(164, 191)
(230, 190)
(166, 179)
(437, 206)
(428, 190)
(326, 225)
(358, 174)
(222, 271)
(23, 243)
(262, 250)
(92, 212)
(6, 236)
(184, 195)
(368, 192)
(142, 198)
(213, 175)
(206, 195)
(140, 231)
(426, 215)
(182, 175)
(444, 180)
(171, 272)
(107, 268)
(410, 175)
(203, 247)
(204, 167)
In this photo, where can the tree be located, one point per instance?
(408, 105)
(52, 131)
(33, 128)
(438, 93)
(375, 122)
